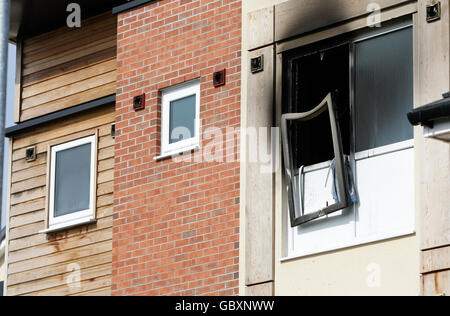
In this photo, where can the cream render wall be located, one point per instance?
(390, 267)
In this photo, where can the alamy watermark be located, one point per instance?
(74, 18)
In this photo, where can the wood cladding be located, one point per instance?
(42, 264)
(67, 67)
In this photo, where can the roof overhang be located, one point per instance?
(29, 18)
(428, 114)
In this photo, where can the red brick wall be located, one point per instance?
(176, 224)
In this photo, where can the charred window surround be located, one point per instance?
(130, 5)
(373, 77)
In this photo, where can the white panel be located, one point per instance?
(386, 191)
(385, 185)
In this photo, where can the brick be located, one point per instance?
(176, 225)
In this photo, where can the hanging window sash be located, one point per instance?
(297, 214)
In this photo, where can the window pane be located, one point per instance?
(72, 180)
(384, 89)
(182, 119)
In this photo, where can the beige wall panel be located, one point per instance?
(259, 194)
(434, 79)
(296, 17)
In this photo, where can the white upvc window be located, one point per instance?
(180, 126)
(72, 183)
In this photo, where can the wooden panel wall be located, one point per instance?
(40, 264)
(67, 67)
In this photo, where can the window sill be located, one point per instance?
(68, 225)
(389, 149)
(185, 150)
(356, 243)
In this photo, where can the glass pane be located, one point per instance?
(384, 89)
(72, 180)
(313, 77)
(182, 119)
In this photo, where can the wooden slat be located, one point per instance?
(80, 52)
(51, 39)
(84, 121)
(57, 246)
(89, 285)
(106, 291)
(26, 219)
(293, 18)
(104, 216)
(106, 164)
(436, 260)
(67, 91)
(69, 78)
(73, 100)
(28, 184)
(25, 208)
(60, 257)
(22, 164)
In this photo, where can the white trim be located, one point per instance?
(80, 217)
(172, 94)
(351, 244)
(392, 148)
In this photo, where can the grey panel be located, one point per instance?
(384, 84)
(182, 114)
(72, 180)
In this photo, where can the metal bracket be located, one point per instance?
(341, 170)
(257, 64)
(434, 12)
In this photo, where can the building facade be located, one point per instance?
(228, 147)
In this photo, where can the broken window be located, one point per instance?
(316, 133)
(340, 101)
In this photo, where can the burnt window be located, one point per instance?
(360, 81)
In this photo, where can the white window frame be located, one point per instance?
(172, 94)
(82, 216)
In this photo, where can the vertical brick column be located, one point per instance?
(176, 224)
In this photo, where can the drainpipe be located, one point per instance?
(4, 37)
